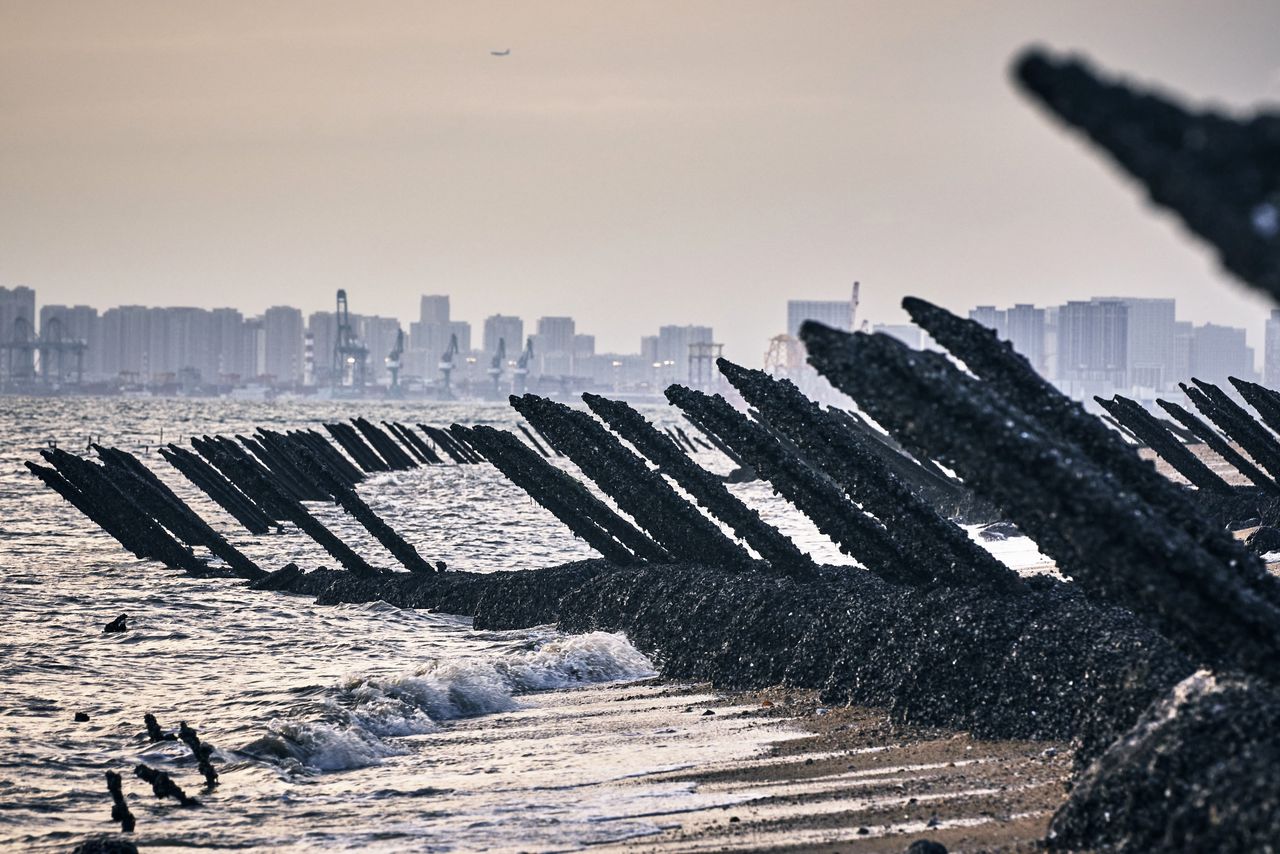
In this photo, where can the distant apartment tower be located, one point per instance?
(1219, 352)
(992, 318)
(1093, 346)
(673, 349)
(649, 350)
(322, 329)
(378, 334)
(1149, 352)
(227, 332)
(506, 328)
(838, 314)
(17, 326)
(282, 332)
(553, 345)
(434, 309)
(1271, 351)
(124, 342)
(1024, 326)
(1184, 339)
(429, 337)
(904, 332)
(72, 323)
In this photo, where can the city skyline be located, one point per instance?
(1103, 345)
(156, 156)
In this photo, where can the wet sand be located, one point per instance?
(851, 781)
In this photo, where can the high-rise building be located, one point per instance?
(68, 324)
(1093, 345)
(1149, 354)
(1271, 351)
(992, 318)
(838, 314)
(124, 342)
(904, 332)
(507, 328)
(322, 326)
(378, 334)
(584, 346)
(673, 350)
(227, 333)
(1219, 352)
(429, 337)
(1023, 326)
(1025, 330)
(553, 347)
(462, 330)
(649, 348)
(17, 327)
(1184, 339)
(434, 309)
(282, 331)
(254, 348)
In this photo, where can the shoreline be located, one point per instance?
(856, 781)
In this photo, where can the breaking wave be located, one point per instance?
(363, 710)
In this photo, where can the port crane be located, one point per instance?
(393, 363)
(521, 373)
(495, 366)
(349, 355)
(446, 366)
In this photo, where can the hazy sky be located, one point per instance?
(631, 164)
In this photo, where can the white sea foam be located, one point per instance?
(365, 709)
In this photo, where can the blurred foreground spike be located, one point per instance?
(1219, 173)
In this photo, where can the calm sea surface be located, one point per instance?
(362, 726)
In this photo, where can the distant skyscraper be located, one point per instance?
(429, 338)
(124, 342)
(507, 328)
(649, 348)
(838, 314)
(70, 323)
(282, 340)
(1149, 355)
(17, 326)
(584, 346)
(254, 344)
(673, 349)
(227, 333)
(378, 334)
(462, 329)
(553, 348)
(904, 332)
(1024, 326)
(1184, 337)
(434, 309)
(1271, 351)
(1025, 330)
(1219, 352)
(1093, 345)
(322, 326)
(992, 318)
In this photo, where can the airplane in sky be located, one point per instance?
(506, 52)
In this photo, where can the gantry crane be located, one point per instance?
(446, 366)
(393, 363)
(348, 353)
(495, 366)
(521, 374)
